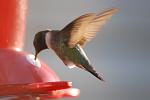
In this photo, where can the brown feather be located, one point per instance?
(85, 27)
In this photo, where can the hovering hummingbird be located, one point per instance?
(68, 42)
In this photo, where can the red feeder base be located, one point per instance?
(23, 77)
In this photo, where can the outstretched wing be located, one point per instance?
(85, 27)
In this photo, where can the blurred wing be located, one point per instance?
(85, 27)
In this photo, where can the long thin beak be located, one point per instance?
(36, 53)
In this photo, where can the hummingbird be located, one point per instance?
(68, 42)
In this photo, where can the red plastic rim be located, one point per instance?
(38, 90)
(33, 88)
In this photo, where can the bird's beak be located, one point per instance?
(36, 53)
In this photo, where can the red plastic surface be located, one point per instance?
(12, 23)
(44, 90)
(20, 77)
(15, 68)
(32, 88)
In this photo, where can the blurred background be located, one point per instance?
(120, 51)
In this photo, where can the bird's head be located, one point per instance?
(40, 42)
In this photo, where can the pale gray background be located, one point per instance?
(121, 51)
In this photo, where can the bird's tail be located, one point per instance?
(93, 72)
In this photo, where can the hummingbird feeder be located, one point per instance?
(21, 77)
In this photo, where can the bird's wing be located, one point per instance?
(84, 27)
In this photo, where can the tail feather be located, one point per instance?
(93, 72)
